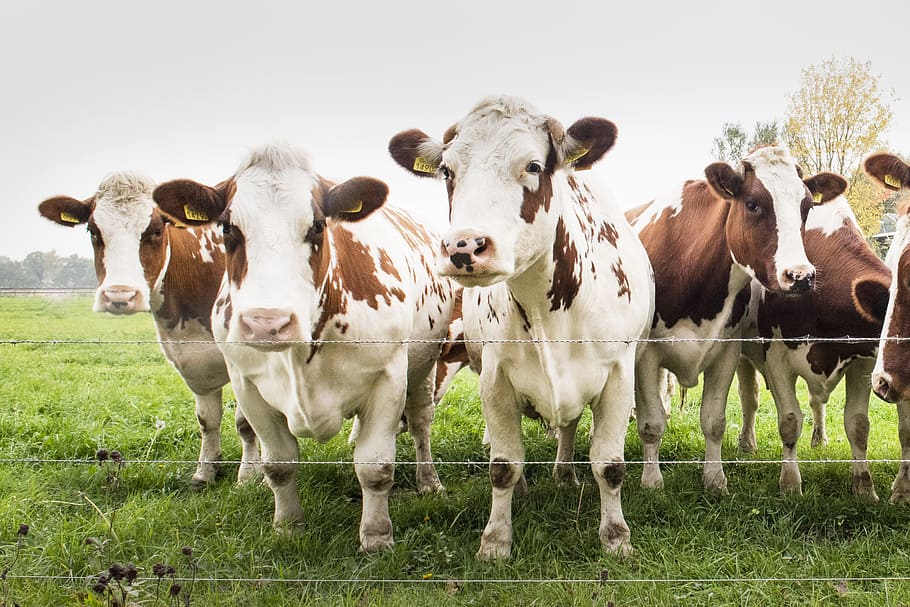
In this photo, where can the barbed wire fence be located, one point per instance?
(604, 579)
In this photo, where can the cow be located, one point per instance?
(144, 262)
(329, 309)
(707, 241)
(891, 373)
(849, 299)
(548, 263)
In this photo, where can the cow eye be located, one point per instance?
(534, 168)
(752, 206)
(314, 234)
(232, 237)
(446, 173)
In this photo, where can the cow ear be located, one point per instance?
(725, 181)
(416, 152)
(192, 203)
(870, 298)
(355, 198)
(587, 140)
(66, 211)
(889, 170)
(825, 186)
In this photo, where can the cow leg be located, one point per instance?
(611, 419)
(900, 488)
(856, 425)
(564, 469)
(374, 455)
(819, 433)
(249, 465)
(747, 386)
(718, 378)
(419, 410)
(280, 452)
(651, 418)
(208, 414)
(502, 413)
(782, 382)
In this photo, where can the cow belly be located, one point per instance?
(798, 361)
(688, 359)
(197, 359)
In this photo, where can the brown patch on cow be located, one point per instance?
(532, 202)
(190, 285)
(860, 433)
(235, 253)
(565, 283)
(613, 473)
(690, 257)
(614, 531)
(788, 426)
(502, 473)
(843, 260)
(228, 312)
(896, 353)
(525, 322)
(245, 430)
(98, 248)
(622, 279)
(752, 237)
(608, 232)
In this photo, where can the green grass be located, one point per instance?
(68, 400)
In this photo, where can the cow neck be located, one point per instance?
(188, 285)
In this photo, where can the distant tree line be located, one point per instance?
(46, 269)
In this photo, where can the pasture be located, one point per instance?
(65, 401)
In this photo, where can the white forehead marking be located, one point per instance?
(831, 216)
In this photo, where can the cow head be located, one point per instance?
(273, 213)
(891, 374)
(769, 203)
(128, 236)
(500, 164)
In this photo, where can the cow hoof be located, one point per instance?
(564, 476)
(819, 438)
(863, 488)
(376, 543)
(288, 528)
(494, 551)
(651, 478)
(620, 548)
(430, 486)
(716, 483)
(200, 482)
(747, 443)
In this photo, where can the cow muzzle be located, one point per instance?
(120, 299)
(269, 328)
(469, 257)
(797, 280)
(883, 386)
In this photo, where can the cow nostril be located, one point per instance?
(461, 244)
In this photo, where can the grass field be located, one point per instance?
(67, 401)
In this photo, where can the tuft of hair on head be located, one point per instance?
(769, 154)
(275, 157)
(125, 185)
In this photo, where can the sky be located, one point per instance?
(186, 89)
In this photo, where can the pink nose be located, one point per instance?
(268, 325)
(881, 385)
(799, 279)
(467, 250)
(120, 299)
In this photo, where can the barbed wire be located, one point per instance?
(805, 339)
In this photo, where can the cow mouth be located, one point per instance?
(472, 278)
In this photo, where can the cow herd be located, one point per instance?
(541, 283)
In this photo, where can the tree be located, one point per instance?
(735, 142)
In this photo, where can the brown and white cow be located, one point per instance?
(707, 242)
(891, 374)
(551, 265)
(849, 299)
(323, 291)
(146, 263)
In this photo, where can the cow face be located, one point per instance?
(273, 213)
(891, 374)
(769, 203)
(500, 164)
(128, 236)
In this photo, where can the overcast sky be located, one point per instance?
(185, 89)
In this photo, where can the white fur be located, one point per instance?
(831, 216)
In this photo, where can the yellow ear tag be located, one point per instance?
(893, 181)
(576, 155)
(423, 165)
(194, 215)
(817, 197)
(64, 216)
(729, 193)
(355, 208)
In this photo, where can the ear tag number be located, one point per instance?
(893, 181)
(64, 216)
(817, 197)
(580, 152)
(423, 165)
(194, 215)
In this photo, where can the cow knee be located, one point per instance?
(650, 432)
(612, 473)
(858, 431)
(245, 430)
(504, 474)
(790, 427)
(279, 475)
(376, 477)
